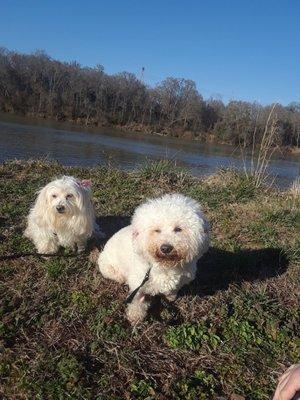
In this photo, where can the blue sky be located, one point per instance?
(247, 50)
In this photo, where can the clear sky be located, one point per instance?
(245, 49)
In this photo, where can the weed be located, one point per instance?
(192, 336)
(203, 386)
(105, 327)
(69, 370)
(142, 389)
(81, 300)
(55, 267)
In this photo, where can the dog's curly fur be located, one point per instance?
(62, 215)
(168, 234)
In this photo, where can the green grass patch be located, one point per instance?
(203, 386)
(264, 233)
(55, 267)
(286, 217)
(105, 327)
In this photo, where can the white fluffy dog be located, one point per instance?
(62, 215)
(168, 234)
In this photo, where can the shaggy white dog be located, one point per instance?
(62, 215)
(168, 234)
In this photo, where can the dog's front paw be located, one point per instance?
(171, 297)
(80, 249)
(136, 312)
(47, 249)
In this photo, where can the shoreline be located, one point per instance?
(198, 137)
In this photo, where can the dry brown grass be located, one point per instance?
(261, 156)
(63, 330)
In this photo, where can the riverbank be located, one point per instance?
(177, 133)
(72, 145)
(63, 328)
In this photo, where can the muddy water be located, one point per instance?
(25, 138)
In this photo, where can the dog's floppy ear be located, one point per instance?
(86, 183)
(135, 234)
(41, 207)
(42, 198)
(135, 239)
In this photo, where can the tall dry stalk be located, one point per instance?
(259, 164)
(295, 188)
(294, 193)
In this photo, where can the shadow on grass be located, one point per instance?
(112, 224)
(2, 221)
(217, 269)
(108, 225)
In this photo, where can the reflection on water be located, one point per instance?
(72, 145)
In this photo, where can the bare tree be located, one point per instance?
(38, 85)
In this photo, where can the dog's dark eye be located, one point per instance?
(54, 196)
(157, 230)
(177, 229)
(69, 196)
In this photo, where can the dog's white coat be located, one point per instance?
(172, 219)
(49, 229)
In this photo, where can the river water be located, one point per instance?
(24, 138)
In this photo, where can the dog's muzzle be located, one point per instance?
(167, 254)
(61, 209)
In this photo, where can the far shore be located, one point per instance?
(202, 137)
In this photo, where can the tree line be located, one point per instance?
(37, 85)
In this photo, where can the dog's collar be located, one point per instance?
(134, 292)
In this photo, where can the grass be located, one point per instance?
(63, 328)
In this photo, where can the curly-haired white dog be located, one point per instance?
(62, 215)
(168, 234)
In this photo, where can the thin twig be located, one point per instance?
(20, 255)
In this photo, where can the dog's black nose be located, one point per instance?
(60, 209)
(166, 248)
